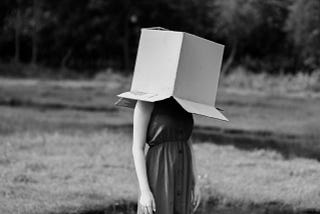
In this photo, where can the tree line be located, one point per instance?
(272, 36)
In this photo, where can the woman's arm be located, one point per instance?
(142, 113)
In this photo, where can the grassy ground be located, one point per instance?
(286, 118)
(69, 172)
(58, 153)
(248, 108)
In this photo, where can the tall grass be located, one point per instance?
(281, 84)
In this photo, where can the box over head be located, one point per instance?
(178, 64)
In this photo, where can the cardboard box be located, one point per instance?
(178, 64)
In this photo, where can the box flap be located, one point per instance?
(201, 109)
(124, 102)
(129, 98)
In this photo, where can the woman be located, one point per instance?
(166, 174)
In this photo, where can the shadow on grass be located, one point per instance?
(211, 206)
(47, 105)
(289, 146)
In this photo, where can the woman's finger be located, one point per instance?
(153, 203)
(141, 208)
(196, 201)
(145, 210)
(150, 209)
(195, 206)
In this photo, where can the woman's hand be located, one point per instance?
(196, 197)
(147, 202)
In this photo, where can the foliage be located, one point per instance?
(88, 35)
(232, 23)
(304, 27)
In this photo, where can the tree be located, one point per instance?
(35, 23)
(303, 26)
(266, 48)
(17, 33)
(235, 20)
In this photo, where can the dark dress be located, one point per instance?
(169, 159)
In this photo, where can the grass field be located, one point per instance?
(274, 120)
(66, 149)
(66, 172)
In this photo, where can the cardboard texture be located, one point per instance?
(177, 64)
